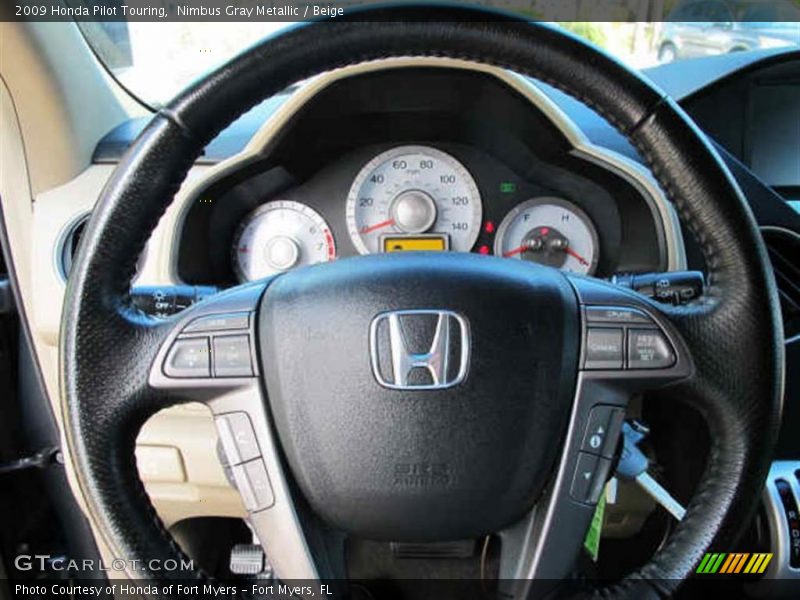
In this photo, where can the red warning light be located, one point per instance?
(484, 249)
(545, 230)
(489, 227)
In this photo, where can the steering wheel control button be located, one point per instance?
(602, 430)
(605, 348)
(649, 349)
(188, 358)
(616, 315)
(237, 437)
(232, 356)
(589, 478)
(253, 484)
(212, 323)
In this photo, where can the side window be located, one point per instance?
(685, 12)
(697, 12)
(716, 12)
(761, 13)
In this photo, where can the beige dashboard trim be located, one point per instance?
(268, 134)
(52, 75)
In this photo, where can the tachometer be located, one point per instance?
(278, 236)
(413, 198)
(552, 232)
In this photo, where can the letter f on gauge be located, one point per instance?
(419, 349)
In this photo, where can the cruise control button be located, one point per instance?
(237, 437)
(253, 484)
(614, 314)
(604, 348)
(589, 478)
(188, 358)
(602, 430)
(229, 321)
(649, 349)
(232, 356)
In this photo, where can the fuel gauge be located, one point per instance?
(552, 232)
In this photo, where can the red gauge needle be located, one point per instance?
(577, 256)
(381, 225)
(515, 251)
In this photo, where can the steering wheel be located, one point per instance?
(429, 396)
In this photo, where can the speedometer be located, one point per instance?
(413, 198)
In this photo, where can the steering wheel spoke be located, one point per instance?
(628, 347)
(629, 343)
(211, 348)
(210, 356)
(252, 454)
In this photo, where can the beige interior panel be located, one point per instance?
(177, 459)
(47, 182)
(53, 77)
(15, 196)
(54, 213)
(182, 435)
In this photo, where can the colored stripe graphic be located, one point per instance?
(753, 562)
(727, 564)
(711, 562)
(765, 562)
(717, 563)
(758, 564)
(742, 563)
(701, 568)
(733, 563)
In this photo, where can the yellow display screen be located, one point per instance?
(407, 244)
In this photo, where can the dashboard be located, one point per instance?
(425, 159)
(393, 156)
(754, 113)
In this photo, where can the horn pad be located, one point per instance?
(392, 433)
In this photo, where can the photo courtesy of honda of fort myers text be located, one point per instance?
(147, 52)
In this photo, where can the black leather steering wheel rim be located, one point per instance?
(733, 331)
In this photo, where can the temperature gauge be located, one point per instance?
(549, 231)
(279, 236)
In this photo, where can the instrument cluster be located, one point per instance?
(418, 198)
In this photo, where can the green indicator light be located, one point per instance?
(508, 187)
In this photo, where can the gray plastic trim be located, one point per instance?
(779, 567)
(278, 526)
(545, 544)
(65, 238)
(791, 234)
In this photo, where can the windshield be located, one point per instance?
(156, 60)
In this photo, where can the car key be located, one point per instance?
(633, 465)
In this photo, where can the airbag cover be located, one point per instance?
(420, 464)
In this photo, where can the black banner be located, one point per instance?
(755, 11)
(387, 589)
